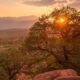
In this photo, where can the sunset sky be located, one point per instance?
(24, 13)
(16, 8)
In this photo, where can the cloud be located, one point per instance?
(17, 22)
(45, 2)
(38, 3)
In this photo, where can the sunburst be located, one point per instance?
(61, 21)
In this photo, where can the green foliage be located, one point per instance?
(57, 45)
(46, 48)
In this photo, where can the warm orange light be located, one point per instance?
(61, 21)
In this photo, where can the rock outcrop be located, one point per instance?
(55, 74)
(68, 78)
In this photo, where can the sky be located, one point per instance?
(17, 8)
(24, 13)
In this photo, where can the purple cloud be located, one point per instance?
(75, 3)
(39, 2)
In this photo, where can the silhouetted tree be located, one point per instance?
(60, 41)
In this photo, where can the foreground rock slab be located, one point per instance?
(68, 78)
(55, 74)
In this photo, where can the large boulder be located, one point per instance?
(54, 74)
(68, 78)
(68, 72)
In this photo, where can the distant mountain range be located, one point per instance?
(17, 22)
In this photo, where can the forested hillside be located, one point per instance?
(52, 43)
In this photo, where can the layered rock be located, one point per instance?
(55, 74)
(68, 78)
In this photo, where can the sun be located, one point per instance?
(61, 21)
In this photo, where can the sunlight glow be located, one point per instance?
(61, 21)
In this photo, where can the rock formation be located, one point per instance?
(68, 78)
(56, 74)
